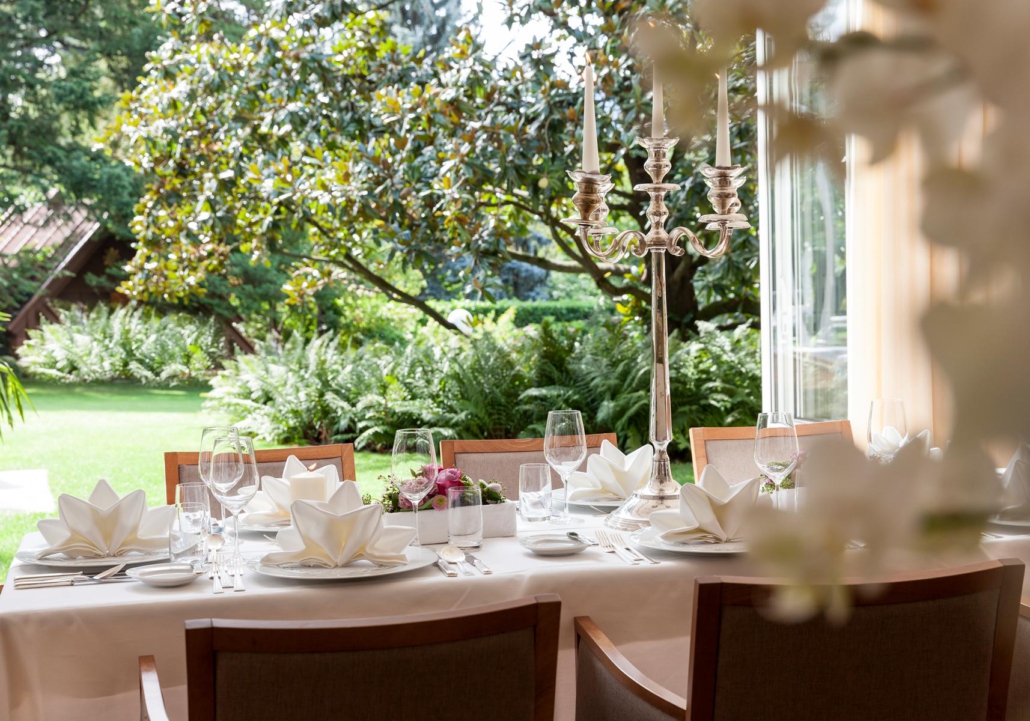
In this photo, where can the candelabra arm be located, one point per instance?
(624, 241)
(718, 251)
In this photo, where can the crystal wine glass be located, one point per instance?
(776, 446)
(887, 431)
(234, 480)
(565, 448)
(207, 442)
(413, 467)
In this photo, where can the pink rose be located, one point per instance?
(440, 503)
(448, 478)
(429, 470)
(403, 502)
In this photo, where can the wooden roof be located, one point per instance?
(47, 225)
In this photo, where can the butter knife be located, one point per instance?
(483, 568)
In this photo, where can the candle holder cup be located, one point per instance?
(661, 491)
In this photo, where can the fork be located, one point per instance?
(609, 547)
(620, 540)
(67, 579)
(216, 574)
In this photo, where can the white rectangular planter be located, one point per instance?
(499, 519)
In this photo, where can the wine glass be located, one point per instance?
(887, 431)
(207, 441)
(413, 467)
(565, 448)
(776, 446)
(234, 480)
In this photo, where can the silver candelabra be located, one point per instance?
(661, 491)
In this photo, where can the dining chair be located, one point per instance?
(731, 450)
(926, 647)
(181, 467)
(499, 460)
(1019, 684)
(494, 662)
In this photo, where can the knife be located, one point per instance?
(483, 568)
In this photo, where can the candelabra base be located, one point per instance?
(661, 493)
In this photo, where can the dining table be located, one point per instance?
(71, 652)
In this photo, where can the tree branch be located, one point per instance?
(747, 306)
(349, 262)
(563, 266)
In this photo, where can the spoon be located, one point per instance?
(582, 539)
(453, 554)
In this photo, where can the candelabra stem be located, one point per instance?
(661, 492)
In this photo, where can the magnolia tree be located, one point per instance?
(950, 58)
(319, 137)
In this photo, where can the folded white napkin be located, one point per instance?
(272, 503)
(611, 473)
(891, 441)
(338, 532)
(710, 507)
(105, 525)
(887, 443)
(1016, 480)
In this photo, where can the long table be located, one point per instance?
(71, 652)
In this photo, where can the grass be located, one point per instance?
(120, 432)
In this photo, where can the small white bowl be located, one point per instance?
(164, 575)
(552, 544)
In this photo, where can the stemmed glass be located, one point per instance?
(776, 446)
(565, 448)
(234, 480)
(888, 431)
(413, 467)
(207, 442)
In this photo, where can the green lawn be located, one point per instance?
(121, 432)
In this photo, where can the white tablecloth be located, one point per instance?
(71, 652)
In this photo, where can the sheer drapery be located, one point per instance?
(894, 274)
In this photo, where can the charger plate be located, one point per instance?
(417, 558)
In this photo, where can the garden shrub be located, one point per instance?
(498, 383)
(122, 343)
(527, 312)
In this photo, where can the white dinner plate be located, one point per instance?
(648, 538)
(1014, 523)
(164, 575)
(552, 544)
(601, 500)
(417, 558)
(259, 527)
(60, 561)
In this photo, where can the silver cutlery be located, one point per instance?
(582, 539)
(609, 547)
(621, 541)
(448, 569)
(216, 575)
(70, 579)
(480, 566)
(453, 554)
(237, 583)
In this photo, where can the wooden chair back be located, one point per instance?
(929, 647)
(1019, 683)
(181, 467)
(499, 460)
(731, 450)
(503, 658)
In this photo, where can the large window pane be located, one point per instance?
(804, 309)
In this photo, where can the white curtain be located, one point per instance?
(893, 275)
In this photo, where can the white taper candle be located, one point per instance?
(591, 161)
(658, 106)
(722, 130)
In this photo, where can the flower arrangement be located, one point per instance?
(446, 478)
(787, 484)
